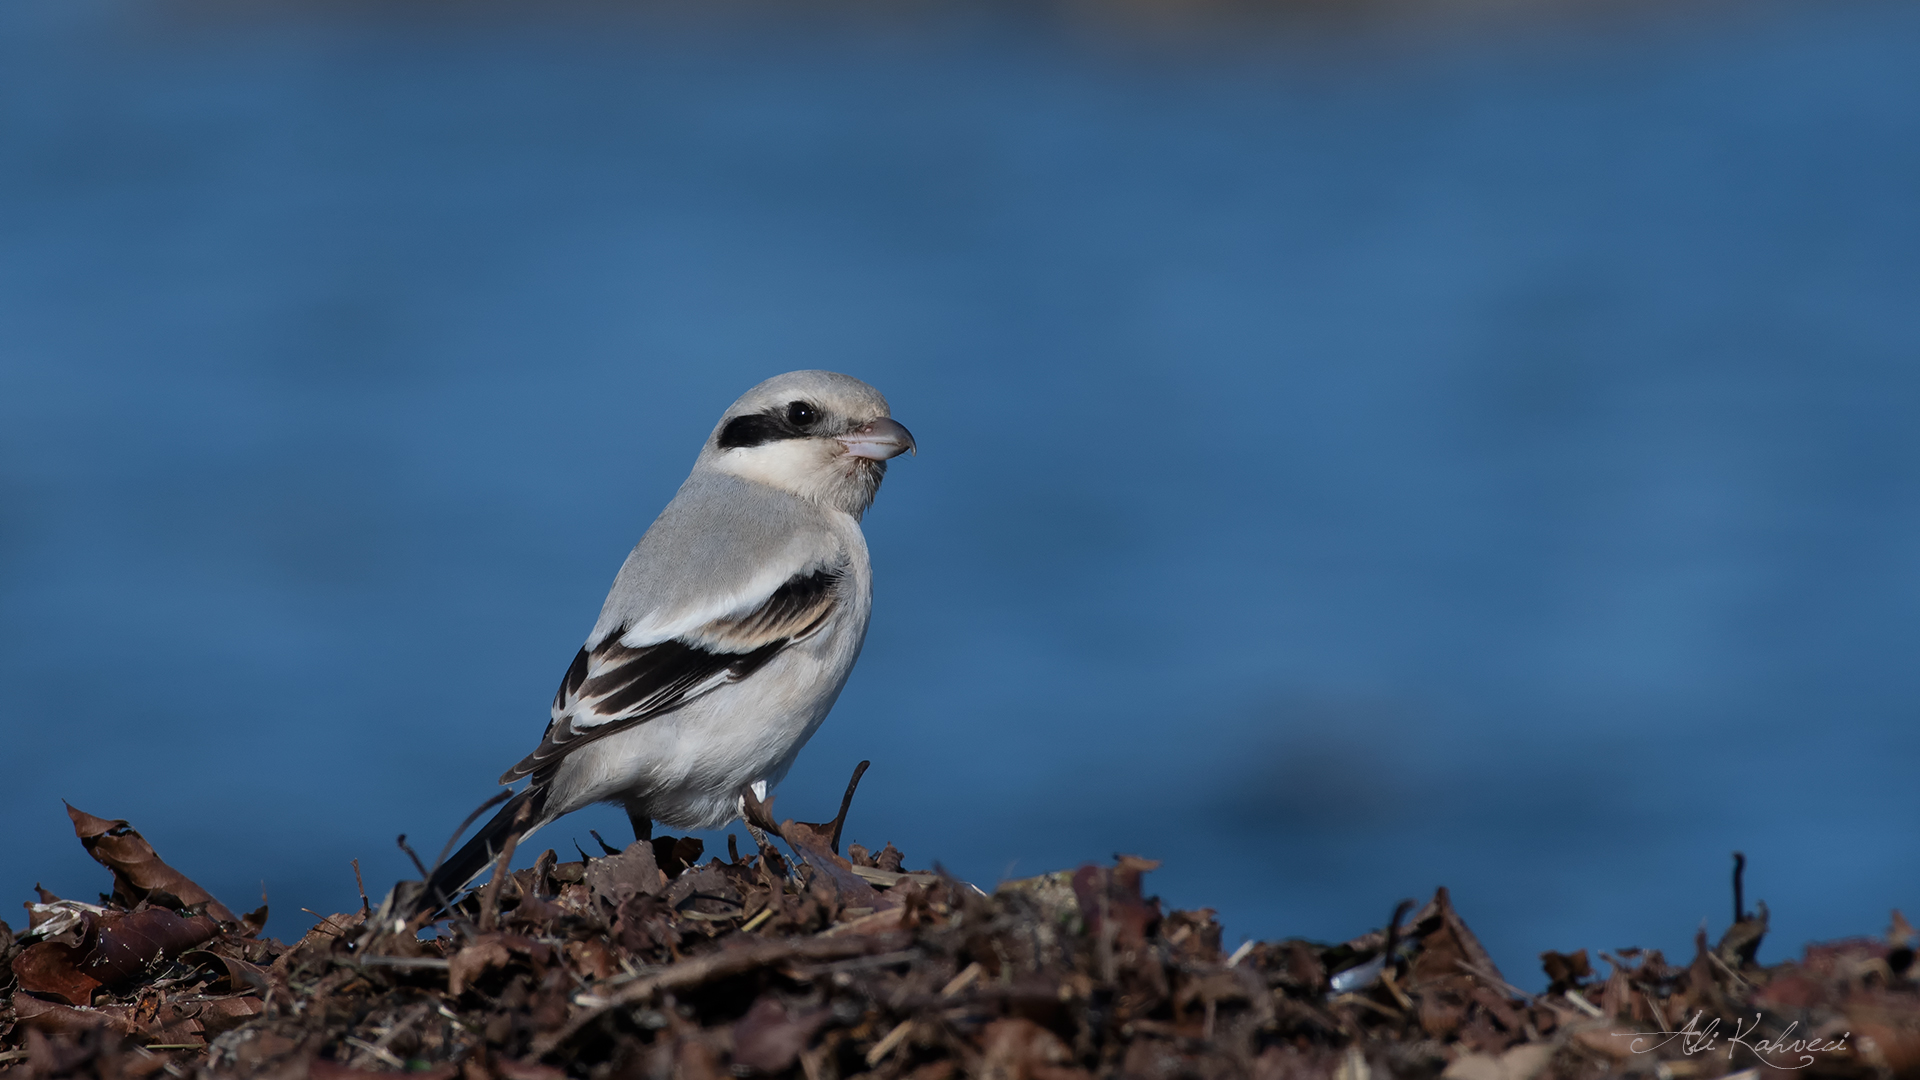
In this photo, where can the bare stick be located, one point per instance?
(361, 885)
(1494, 980)
(417, 864)
(490, 897)
(1393, 928)
(498, 798)
(840, 819)
(1739, 900)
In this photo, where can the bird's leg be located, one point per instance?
(752, 806)
(642, 824)
(758, 836)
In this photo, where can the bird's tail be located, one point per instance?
(478, 853)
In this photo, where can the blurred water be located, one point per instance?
(1351, 464)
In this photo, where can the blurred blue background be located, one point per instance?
(1357, 455)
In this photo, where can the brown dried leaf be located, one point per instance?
(124, 946)
(675, 853)
(1019, 1049)
(51, 1018)
(1519, 1063)
(1448, 946)
(1565, 971)
(769, 1038)
(1900, 933)
(138, 871)
(707, 890)
(616, 879)
(224, 1014)
(1441, 1014)
(847, 888)
(231, 974)
(47, 968)
(1608, 1038)
(469, 963)
(591, 958)
(253, 921)
(1887, 1027)
(1742, 940)
(1114, 895)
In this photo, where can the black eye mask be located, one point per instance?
(789, 421)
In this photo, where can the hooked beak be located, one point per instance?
(879, 440)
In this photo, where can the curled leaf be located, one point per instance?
(138, 871)
(125, 946)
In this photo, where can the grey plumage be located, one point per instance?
(730, 629)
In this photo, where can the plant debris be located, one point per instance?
(648, 962)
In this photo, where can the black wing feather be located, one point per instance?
(619, 685)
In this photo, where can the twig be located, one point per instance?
(1386, 980)
(1654, 1005)
(491, 895)
(417, 864)
(863, 963)
(1581, 1003)
(846, 801)
(362, 886)
(1739, 899)
(728, 962)
(889, 878)
(498, 798)
(380, 1053)
(1393, 927)
(327, 920)
(963, 980)
(1495, 980)
(1722, 965)
(433, 963)
(704, 916)
(886, 1045)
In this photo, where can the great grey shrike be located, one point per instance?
(729, 631)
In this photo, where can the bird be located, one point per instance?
(728, 633)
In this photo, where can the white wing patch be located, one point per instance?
(615, 684)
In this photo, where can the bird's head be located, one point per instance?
(816, 434)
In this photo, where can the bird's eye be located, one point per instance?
(801, 414)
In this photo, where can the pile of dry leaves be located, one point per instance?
(649, 962)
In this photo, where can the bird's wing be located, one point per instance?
(619, 681)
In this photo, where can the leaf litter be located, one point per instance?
(648, 962)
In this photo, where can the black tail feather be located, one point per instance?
(454, 875)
